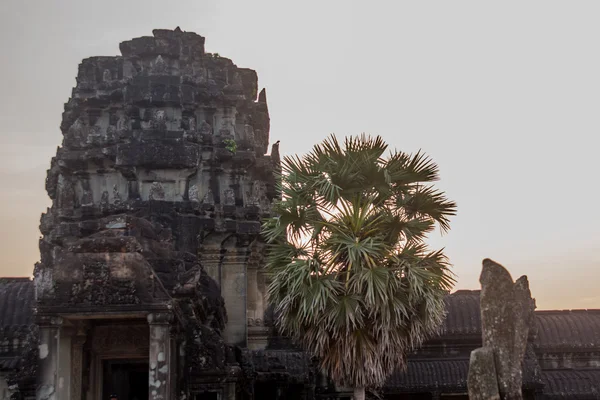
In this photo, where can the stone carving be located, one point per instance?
(208, 198)
(87, 199)
(159, 120)
(192, 124)
(258, 322)
(111, 339)
(66, 193)
(220, 224)
(157, 192)
(254, 196)
(78, 341)
(99, 288)
(116, 196)
(227, 128)
(193, 194)
(123, 124)
(160, 66)
(205, 128)
(104, 201)
(506, 316)
(229, 197)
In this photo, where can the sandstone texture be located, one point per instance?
(506, 317)
(160, 182)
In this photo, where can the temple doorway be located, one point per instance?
(128, 379)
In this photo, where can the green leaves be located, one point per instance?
(350, 276)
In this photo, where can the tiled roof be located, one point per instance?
(464, 316)
(448, 375)
(570, 329)
(440, 374)
(570, 384)
(16, 302)
(293, 364)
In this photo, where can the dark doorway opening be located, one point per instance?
(128, 379)
(207, 396)
(265, 391)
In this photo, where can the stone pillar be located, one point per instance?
(210, 257)
(258, 333)
(229, 391)
(77, 342)
(63, 390)
(174, 368)
(48, 352)
(254, 299)
(233, 290)
(159, 357)
(226, 264)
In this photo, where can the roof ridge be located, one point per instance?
(466, 291)
(570, 311)
(15, 279)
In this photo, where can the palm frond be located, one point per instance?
(350, 275)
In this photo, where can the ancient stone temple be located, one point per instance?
(150, 253)
(150, 283)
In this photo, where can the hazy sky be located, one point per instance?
(504, 96)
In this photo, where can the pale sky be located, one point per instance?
(503, 95)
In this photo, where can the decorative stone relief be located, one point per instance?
(193, 194)
(66, 193)
(208, 198)
(229, 197)
(159, 67)
(114, 338)
(257, 322)
(157, 192)
(104, 201)
(98, 288)
(192, 123)
(123, 124)
(159, 120)
(87, 199)
(116, 196)
(258, 195)
(205, 128)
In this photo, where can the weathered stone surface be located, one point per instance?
(506, 316)
(163, 156)
(482, 381)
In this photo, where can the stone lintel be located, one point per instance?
(165, 318)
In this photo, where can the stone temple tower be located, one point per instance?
(150, 274)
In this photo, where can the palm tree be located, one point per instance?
(351, 277)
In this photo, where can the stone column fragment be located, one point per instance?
(482, 381)
(233, 290)
(159, 357)
(506, 316)
(49, 328)
(77, 343)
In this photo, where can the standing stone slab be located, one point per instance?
(482, 380)
(506, 316)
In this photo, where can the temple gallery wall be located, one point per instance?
(150, 283)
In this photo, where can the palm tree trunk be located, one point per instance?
(359, 393)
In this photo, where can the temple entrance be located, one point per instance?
(128, 379)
